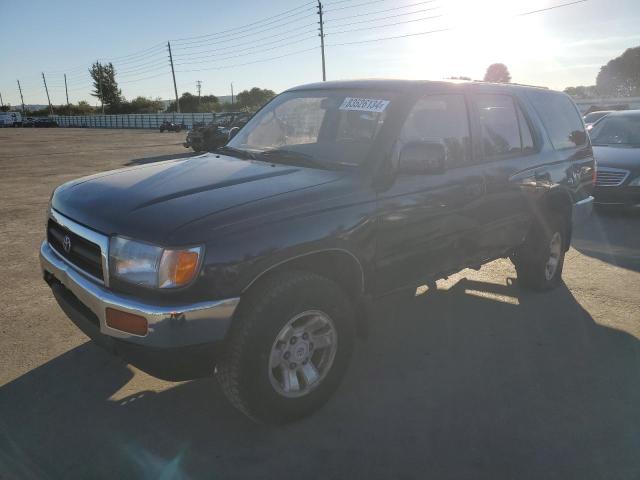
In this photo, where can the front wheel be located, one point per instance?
(288, 348)
(540, 259)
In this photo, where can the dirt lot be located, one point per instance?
(475, 380)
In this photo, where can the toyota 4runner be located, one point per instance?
(260, 262)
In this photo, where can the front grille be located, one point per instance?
(82, 253)
(606, 177)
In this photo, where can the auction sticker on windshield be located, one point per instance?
(364, 104)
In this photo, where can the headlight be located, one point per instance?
(635, 182)
(151, 266)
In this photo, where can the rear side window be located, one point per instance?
(560, 118)
(499, 126)
(525, 132)
(441, 117)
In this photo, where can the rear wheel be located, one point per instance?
(288, 348)
(540, 259)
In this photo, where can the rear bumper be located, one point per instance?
(582, 210)
(180, 337)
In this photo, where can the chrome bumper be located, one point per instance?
(169, 326)
(582, 210)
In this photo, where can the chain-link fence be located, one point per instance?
(134, 120)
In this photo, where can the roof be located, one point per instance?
(404, 85)
(624, 113)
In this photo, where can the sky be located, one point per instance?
(275, 44)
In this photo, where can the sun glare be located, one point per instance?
(481, 33)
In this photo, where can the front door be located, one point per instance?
(427, 223)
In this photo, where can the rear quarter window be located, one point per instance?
(560, 118)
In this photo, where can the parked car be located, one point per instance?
(616, 147)
(264, 258)
(10, 119)
(170, 126)
(593, 117)
(216, 134)
(45, 122)
(29, 122)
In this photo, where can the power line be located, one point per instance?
(150, 56)
(429, 32)
(230, 57)
(242, 27)
(135, 54)
(354, 6)
(232, 39)
(145, 66)
(384, 26)
(551, 8)
(241, 34)
(250, 48)
(248, 63)
(349, 17)
(390, 38)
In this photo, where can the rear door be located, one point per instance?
(507, 148)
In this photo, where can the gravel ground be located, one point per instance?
(476, 379)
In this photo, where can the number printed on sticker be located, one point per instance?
(364, 104)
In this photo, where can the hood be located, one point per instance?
(627, 158)
(149, 202)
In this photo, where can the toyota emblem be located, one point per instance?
(66, 244)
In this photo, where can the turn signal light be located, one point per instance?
(178, 267)
(127, 322)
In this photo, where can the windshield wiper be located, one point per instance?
(237, 151)
(291, 157)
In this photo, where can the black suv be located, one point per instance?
(260, 262)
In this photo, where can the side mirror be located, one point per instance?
(232, 132)
(422, 158)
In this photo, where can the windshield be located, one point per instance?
(328, 128)
(593, 116)
(617, 130)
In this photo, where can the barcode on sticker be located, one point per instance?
(364, 104)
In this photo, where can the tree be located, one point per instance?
(582, 92)
(5, 108)
(189, 103)
(621, 76)
(141, 105)
(254, 98)
(498, 73)
(105, 86)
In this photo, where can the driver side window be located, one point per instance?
(441, 118)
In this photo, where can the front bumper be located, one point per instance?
(623, 196)
(172, 328)
(582, 210)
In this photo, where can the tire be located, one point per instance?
(246, 371)
(534, 259)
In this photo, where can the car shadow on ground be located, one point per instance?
(160, 158)
(478, 381)
(611, 236)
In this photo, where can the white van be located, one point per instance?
(10, 119)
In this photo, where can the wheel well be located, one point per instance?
(339, 266)
(561, 203)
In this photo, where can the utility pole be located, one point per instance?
(198, 87)
(324, 72)
(65, 89)
(173, 73)
(1, 102)
(232, 94)
(21, 98)
(47, 90)
(100, 86)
